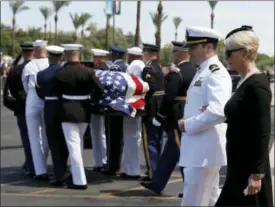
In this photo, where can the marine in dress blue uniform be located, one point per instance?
(171, 110)
(14, 98)
(46, 90)
(115, 122)
(152, 135)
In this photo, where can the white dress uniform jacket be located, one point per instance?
(34, 115)
(203, 143)
(132, 131)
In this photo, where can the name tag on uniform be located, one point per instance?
(198, 83)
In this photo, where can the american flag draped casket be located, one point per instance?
(122, 92)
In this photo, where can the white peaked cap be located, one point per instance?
(193, 33)
(71, 47)
(100, 52)
(40, 43)
(55, 49)
(135, 51)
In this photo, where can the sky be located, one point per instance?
(228, 15)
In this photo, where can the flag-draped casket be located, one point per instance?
(122, 92)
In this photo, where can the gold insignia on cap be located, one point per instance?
(148, 76)
(214, 68)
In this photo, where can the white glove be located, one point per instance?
(155, 122)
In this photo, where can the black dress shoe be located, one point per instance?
(109, 173)
(57, 183)
(130, 177)
(98, 169)
(24, 166)
(68, 180)
(146, 179)
(43, 177)
(180, 195)
(77, 187)
(29, 174)
(148, 186)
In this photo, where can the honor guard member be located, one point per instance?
(203, 139)
(46, 90)
(152, 135)
(132, 126)
(97, 124)
(171, 110)
(76, 84)
(115, 122)
(14, 98)
(34, 110)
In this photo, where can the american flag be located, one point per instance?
(122, 92)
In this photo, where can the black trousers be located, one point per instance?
(114, 136)
(22, 125)
(56, 139)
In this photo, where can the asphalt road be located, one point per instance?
(17, 190)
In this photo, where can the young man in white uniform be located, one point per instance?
(132, 126)
(203, 140)
(34, 110)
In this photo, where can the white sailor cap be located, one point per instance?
(134, 51)
(100, 52)
(40, 43)
(71, 47)
(197, 35)
(55, 50)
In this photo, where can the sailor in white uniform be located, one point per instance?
(203, 140)
(132, 126)
(34, 110)
(97, 124)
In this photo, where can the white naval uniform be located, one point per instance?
(34, 115)
(97, 127)
(132, 131)
(203, 143)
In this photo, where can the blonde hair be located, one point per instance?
(247, 40)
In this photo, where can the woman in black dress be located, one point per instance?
(248, 180)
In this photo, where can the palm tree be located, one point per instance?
(84, 18)
(107, 28)
(76, 20)
(57, 5)
(34, 33)
(46, 12)
(16, 7)
(137, 35)
(158, 18)
(212, 5)
(177, 21)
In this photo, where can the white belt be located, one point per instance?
(85, 97)
(51, 98)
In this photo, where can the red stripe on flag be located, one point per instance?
(138, 104)
(139, 85)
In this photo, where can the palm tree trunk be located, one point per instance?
(55, 31)
(108, 17)
(176, 36)
(137, 35)
(212, 20)
(13, 35)
(45, 30)
(158, 33)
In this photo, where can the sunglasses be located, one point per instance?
(228, 53)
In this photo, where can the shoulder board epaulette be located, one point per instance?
(214, 68)
(149, 64)
(175, 69)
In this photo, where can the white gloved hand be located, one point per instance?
(155, 122)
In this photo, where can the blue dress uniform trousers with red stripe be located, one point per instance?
(52, 105)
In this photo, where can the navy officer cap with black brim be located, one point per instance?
(179, 46)
(117, 49)
(27, 46)
(150, 47)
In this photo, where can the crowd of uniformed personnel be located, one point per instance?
(53, 96)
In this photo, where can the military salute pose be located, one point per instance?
(46, 90)
(152, 135)
(34, 110)
(203, 139)
(171, 110)
(77, 85)
(17, 103)
(97, 124)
